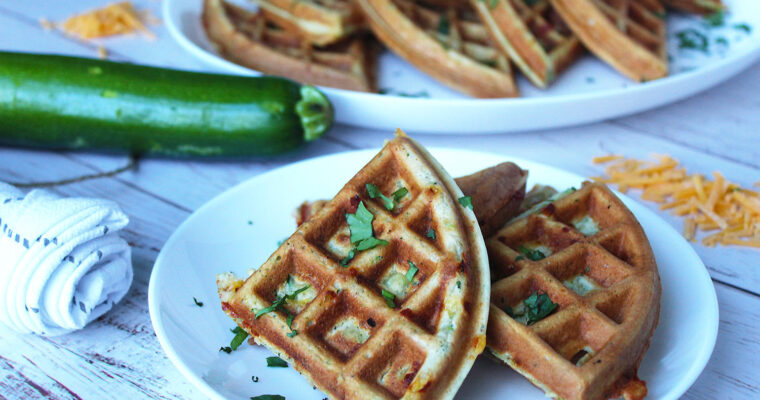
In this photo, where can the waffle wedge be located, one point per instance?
(536, 38)
(703, 7)
(365, 326)
(253, 40)
(629, 35)
(595, 263)
(447, 42)
(319, 22)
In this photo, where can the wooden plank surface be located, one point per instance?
(118, 356)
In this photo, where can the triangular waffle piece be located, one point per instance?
(533, 34)
(587, 253)
(402, 319)
(703, 7)
(448, 43)
(320, 22)
(251, 39)
(627, 34)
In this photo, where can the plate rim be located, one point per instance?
(691, 374)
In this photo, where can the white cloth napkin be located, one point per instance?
(62, 264)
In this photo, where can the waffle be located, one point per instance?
(319, 22)
(703, 7)
(448, 43)
(353, 339)
(533, 34)
(252, 40)
(497, 194)
(627, 34)
(603, 276)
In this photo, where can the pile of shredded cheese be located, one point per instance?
(708, 205)
(113, 19)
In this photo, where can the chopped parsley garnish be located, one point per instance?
(255, 378)
(412, 271)
(465, 201)
(289, 321)
(533, 255)
(422, 93)
(240, 336)
(692, 39)
(369, 243)
(520, 257)
(268, 397)
(198, 303)
(716, 19)
(280, 301)
(444, 26)
(226, 349)
(360, 225)
(743, 27)
(389, 298)
(276, 362)
(493, 3)
(430, 233)
(280, 242)
(399, 194)
(537, 307)
(347, 258)
(374, 193)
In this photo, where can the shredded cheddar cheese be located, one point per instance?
(708, 205)
(113, 19)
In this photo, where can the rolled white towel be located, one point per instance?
(62, 263)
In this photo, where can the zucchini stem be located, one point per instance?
(315, 112)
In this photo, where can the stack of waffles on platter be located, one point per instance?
(469, 46)
(383, 291)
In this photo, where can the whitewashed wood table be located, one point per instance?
(118, 356)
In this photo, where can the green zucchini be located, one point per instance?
(64, 102)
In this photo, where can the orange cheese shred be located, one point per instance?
(113, 19)
(707, 205)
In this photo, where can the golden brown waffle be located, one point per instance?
(533, 34)
(606, 285)
(351, 341)
(696, 6)
(448, 43)
(627, 34)
(319, 22)
(253, 40)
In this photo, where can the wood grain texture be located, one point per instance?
(118, 356)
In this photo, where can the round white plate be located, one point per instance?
(240, 228)
(588, 91)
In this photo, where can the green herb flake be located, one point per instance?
(276, 362)
(360, 223)
(465, 201)
(268, 397)
(519, 258)
(255, 378)
(444, 25)
(369, 243)
(412, 271)
(533, 255)
(374, 193)
(225, 349)
(743, 27)
(692, 39)
(539, 307)
(198, 303)
(240, 336)
(430, 233)
(389, 298)
(350, 256)
(399, 194)
(280, 302)
(716, 19)
(531, 2)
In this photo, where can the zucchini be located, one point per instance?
(62, 102)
